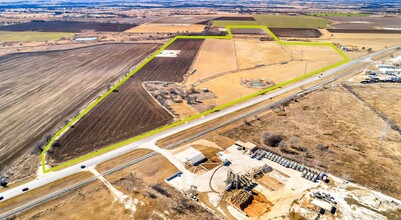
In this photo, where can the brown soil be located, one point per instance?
(259, 206)
(160, 199)
(229, 18)
(384, 98)
(234, 18)
(215, 56)
(344, 134)
(251, 31)
(130, 110)
(34, 194)
(296, 32)
(368, 31)
(169, 28)
(40, 90)
(364, 23)
(67, 26)
(93, 201)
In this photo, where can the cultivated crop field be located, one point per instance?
(130, 110)
(278, 21)
(296, 32)
(66, 26)
(166, 28)
(372, 23)
(39, 90)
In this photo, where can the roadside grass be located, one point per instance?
(318, 14)
(25, 36)
(279, 21)
(34, 194)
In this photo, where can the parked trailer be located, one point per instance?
(286, 163)
(262, 155)
(314, 179)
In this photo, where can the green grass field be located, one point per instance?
(339, 14)
(24, 36)
(279, 21)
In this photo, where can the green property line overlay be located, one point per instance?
(163, 128)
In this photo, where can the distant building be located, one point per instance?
(190, 155)
(84, 39)
(248, 146)
(388, 69)
(223, 157)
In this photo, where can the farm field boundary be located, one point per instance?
(140, 66)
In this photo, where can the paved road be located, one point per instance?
(56, 175)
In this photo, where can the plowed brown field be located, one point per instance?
(40, 90)
(130, 110)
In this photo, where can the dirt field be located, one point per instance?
(374, 41)
(67, 26)
(296, 32)
(48, 189)
(39, 91)
(364, 31)
(365, 22)
(146, 186)
(234, 18)
(166, 28)
(252, 52)
(215, 56)
(331, 131)
(261, 60)
(384, 98)
(199, 19)
(130, 110)
(276, 73)
(91, 201)
(249, 31)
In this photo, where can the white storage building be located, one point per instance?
(190, 155)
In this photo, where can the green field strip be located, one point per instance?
(163, 128)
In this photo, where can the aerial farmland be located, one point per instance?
(136, 110)
(37, 100)
(203, 110)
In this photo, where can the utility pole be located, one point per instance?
(306, 67)
(382, 137)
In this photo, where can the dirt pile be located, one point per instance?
(159, 200)
(241, 199)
